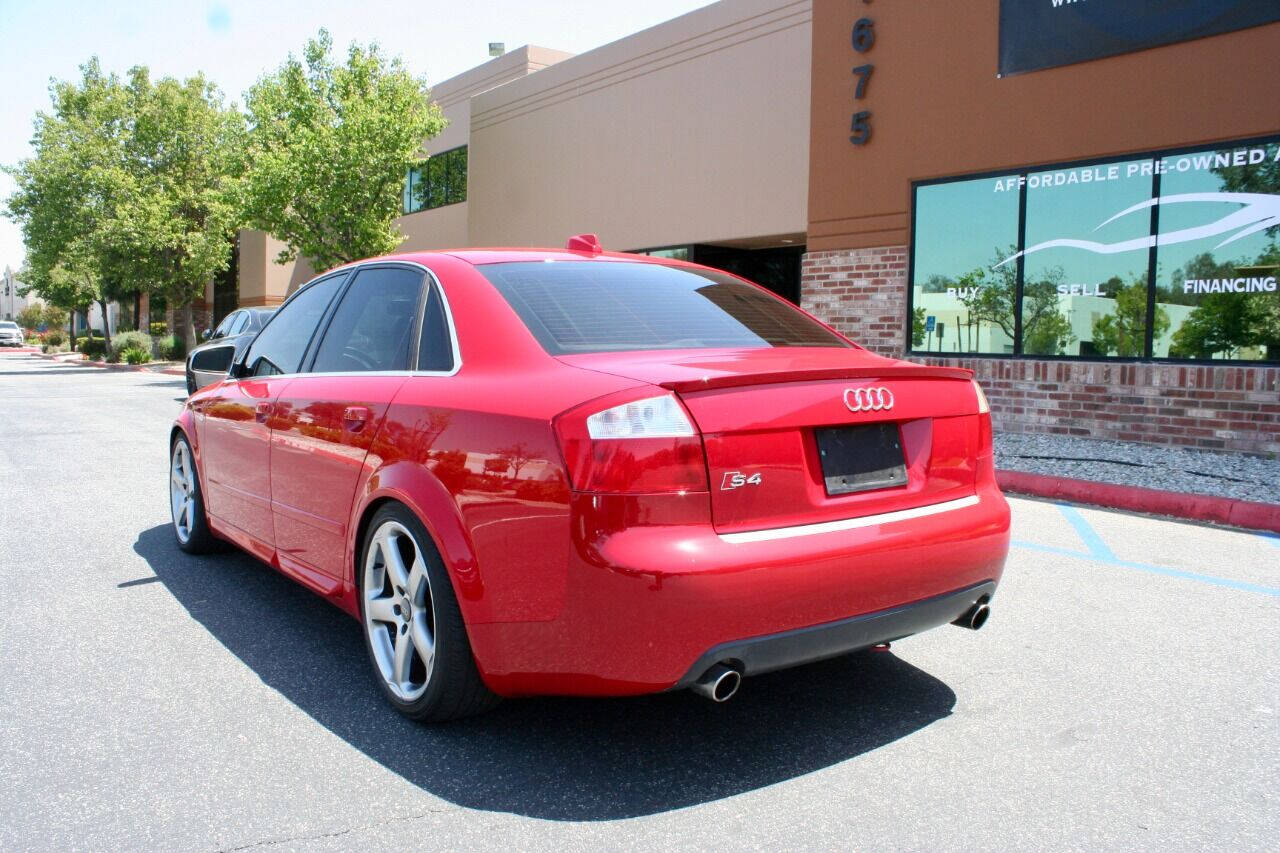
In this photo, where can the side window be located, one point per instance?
(280, 347)
(374, 324)
(435, 348)
(224, 328)
(242, 320)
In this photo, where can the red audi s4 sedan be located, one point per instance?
(579, 472)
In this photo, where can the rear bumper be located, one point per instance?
(646, 604)
(805, 645)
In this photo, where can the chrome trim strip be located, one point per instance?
(848, 523)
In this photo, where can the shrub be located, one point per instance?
(132, 355)
(55, 337)
(169, 348)
(30, 317)
(131, 340)
(92, 347)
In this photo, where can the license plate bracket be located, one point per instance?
(861, 457)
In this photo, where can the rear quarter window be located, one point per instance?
(604, 306)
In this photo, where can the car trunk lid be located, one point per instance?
(802, 436)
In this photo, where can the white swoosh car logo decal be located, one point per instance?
(1260, 211)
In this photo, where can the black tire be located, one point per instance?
(453, 687)
(199, 539)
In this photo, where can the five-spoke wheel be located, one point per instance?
(398, 610)
(186, 501)
(412, 625)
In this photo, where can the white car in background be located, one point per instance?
(10, 334)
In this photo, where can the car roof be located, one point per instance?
(479, 257)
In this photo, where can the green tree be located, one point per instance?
(1220, 324)
(1123, 331)
(183, 159)
(1044, 328)
(328, 149)
(132, 188)
(31, 317)
(68, 192)
(917, 326)
(66, 292)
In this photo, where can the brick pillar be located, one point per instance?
(860, 292)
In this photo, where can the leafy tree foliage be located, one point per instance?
(1124, 331)
(1045, 330)
(328, 149)
(130, 189)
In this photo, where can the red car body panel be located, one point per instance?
(579, 592)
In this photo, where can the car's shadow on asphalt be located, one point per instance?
(556, 759)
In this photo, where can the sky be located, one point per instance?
(236, 41)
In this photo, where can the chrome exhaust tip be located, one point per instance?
(718, 683)
(975, 617)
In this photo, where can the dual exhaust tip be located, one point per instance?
(721, 681)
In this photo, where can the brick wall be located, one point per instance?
(863, 293)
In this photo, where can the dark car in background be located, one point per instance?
(208, 362)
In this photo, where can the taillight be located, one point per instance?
(621, 444)
(983, 407)
(986, 451)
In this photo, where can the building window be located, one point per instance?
(1169, 256)
(963, 299)
(441, 180)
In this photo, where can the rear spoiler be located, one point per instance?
(766, 377)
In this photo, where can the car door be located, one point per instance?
(235, 417)
(329, 415)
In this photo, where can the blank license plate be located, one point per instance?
(860, 458)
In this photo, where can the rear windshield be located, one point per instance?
(599, 306)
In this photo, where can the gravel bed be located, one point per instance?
(1172, 469)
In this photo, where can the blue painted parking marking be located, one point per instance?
(1099, 552)
(1092, 541)
(1157, 570)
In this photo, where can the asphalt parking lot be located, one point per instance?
(1125, 694)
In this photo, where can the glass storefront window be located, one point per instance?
(1080, 296)
(1076, 265)
(1217, 264)
(962, 300)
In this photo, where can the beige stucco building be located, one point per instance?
(690, 133)
(985, 184)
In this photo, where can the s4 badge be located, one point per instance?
(737, 479)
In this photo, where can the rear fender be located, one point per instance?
(426, 497)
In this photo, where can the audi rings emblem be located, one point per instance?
(868, 399)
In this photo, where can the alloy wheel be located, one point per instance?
(182, 491)
(399, 613)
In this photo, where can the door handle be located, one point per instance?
(355, 417)
(262, 412)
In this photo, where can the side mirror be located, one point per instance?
(206, 334)
(238, 368)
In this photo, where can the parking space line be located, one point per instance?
(1087, 534)
(1112, 560)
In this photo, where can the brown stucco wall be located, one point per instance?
(938, 108)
